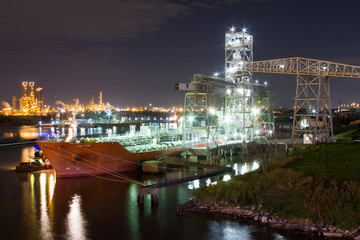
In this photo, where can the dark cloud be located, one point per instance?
(93, 19)
(226, 2)
(91, 25)
(212, 4)
(203, 5)
(100, 21)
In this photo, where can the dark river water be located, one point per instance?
(39, 206)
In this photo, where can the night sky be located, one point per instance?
(134, 51)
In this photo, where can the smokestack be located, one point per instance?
(32, 90)
(13, 104)
(40, 103)
(24, 90)
(100, 98)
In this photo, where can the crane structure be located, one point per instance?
(248, 110)
(312, 110)
(245, 111)
(200, 123)
(238, 98)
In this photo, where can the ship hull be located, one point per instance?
(84, 159)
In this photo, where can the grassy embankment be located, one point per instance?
(321, 183)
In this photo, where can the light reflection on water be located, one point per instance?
(26, 154)
(52, 181)
(90, 131)
(75, 221)
(45, 223)
(70, 132)
(82, 131)
(244, 168)
(228, 231)
(226, 177)
(25, 133)
(194, 184)
(255, 166)
(132, 211)
(22, 132)
(88, 207)
(29, 204)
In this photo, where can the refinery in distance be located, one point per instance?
(31, 103)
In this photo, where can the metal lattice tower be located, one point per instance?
(264, 124)
(199, 124)
(238, 99)
(312, 110)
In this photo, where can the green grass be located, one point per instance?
(282, 201)
(347, 131)
(339, 161)
(321, 183)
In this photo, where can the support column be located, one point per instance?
(142, 191)
(312, 110)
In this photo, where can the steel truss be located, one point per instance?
(305, 66)
(312, 110)
(237, 116)
(238, 100)
(263, 112)
(199, 124)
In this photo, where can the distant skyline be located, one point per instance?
(134, 51)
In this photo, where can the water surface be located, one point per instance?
(39, 206)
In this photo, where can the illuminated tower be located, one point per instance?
(24, 89)
(13, 104)
(32, 91)
(238, 99)
(91, 105)
(40, 99)
(32, 99)
(100, 102)
(24, 106)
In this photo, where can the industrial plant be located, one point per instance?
(233, 108)
(30, 103)
(246, 110)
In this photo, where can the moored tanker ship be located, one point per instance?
(118, 153)
(78, 159)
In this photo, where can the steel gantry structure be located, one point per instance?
(312, 110)
(246, 110)
(200, 121)
(204, 121)
(239, 98)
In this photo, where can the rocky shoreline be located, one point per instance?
(263, 218)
